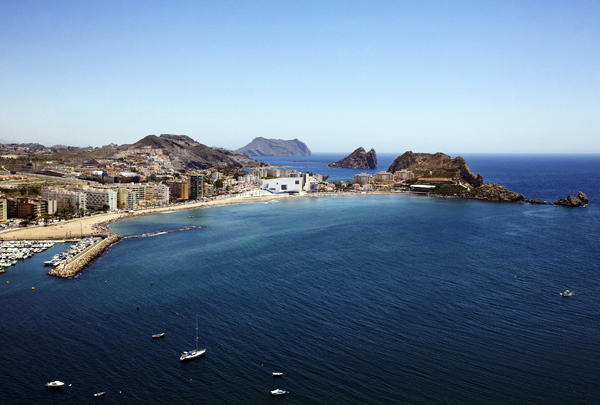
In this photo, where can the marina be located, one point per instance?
(12, 251)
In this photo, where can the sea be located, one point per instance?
(357, 299)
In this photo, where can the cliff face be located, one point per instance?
(437, 165)
(275, 147)
(359, 159)
(187, 154)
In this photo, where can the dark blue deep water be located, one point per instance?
(358, 299)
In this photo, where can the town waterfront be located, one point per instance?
(358, 299)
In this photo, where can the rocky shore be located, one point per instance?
(73, 268)
(496, 192)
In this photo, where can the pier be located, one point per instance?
(72, 268)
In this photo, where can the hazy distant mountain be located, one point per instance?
(275, 147)
(3, 141)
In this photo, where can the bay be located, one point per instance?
(358, 299)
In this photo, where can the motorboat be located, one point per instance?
(193, 354)
(158, 336)
(278, 392)
(566, 293)
(99, 394)
(277, 374)
(55, 385)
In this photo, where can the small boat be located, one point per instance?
(55, 385)
(278, 392)
(193, 354)
(277, 374)
(566, 293)
(158, 336)
(99, 394)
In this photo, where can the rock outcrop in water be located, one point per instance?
(359, 159)
(580, 201)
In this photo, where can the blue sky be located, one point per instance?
(456, 76)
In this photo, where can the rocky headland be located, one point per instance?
(275, 147)
(465, 184)
(359, 159)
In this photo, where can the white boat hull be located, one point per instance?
(194, 354)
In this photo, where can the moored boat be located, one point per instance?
(566, 293)
(99, 394)
(55, 385)
(158, 336)
(277, 374)
(193, 354)
(278, 392)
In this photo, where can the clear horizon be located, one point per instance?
(476, 76)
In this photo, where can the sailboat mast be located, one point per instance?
(196, 332)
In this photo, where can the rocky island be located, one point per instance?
(275, 147)
(359, 159)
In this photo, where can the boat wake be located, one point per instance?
(150, 234)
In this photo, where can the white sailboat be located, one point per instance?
(193, 354)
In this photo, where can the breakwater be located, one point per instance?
(150, 234)
(72, 268)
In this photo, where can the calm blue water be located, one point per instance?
(357, 299)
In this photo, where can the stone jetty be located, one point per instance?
(75, 266)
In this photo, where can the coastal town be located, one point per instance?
(48, 195)
(47, 200)
(44, 192)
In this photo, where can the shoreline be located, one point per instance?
(97, 225)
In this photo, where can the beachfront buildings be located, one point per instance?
(403, 174)
(196, 187)
(68, 200)
(283, 185)
(383, 177)
(3, 209)
(362, 178)
(100, 198)
(179, 189)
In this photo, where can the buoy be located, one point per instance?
(7, 282)
(105, 282)
(138, 307)
(33, 288)
(151, 283)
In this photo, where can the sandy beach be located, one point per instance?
(86, 226)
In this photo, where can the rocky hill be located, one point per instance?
(186, 154)
(275, 147)
(436, 165)
(359, 159)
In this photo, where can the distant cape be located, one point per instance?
(274, 147)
